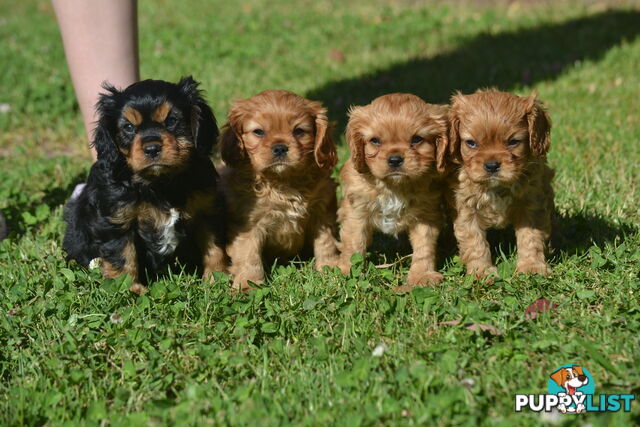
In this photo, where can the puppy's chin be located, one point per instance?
(396, 178)
(278, 168)
(290, 165)
(157, 171)
(401, 176)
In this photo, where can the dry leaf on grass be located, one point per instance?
(537, 307)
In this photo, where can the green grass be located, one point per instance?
(75, 347)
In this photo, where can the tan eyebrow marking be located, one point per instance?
(161, 113)
(133, 115)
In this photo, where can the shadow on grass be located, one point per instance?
(573, 234)
(576, 233)
(53, 197)
(505, 60)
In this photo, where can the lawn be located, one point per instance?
(312, 348)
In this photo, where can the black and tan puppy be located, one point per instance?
(152, 195)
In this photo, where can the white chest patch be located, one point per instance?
(169, 238)
(391, 208)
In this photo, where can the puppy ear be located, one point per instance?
(231, 146)
(557, 376)
(355, 140)
(453, 134)
(539, 127)
(103, 141)
(324, 149)
(203, 123)
(442, 140)
(578, 369)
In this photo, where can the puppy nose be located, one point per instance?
(492, 167)
(582, 378)
(152, 150)
(395, 161)
(279, 150)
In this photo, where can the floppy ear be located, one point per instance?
(103, 141)
(442, 140)
(578, 369)
(557, 376)
(203, 123)
(324, 149)
(539, 127)
(453, 137)
(231, 146)
(355, 140)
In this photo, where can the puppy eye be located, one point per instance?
(258, 132)
(128, 127)
(170, 122)
(513, 142)
(298, 132)
(374, 141)
(471, 143)
(416, 139)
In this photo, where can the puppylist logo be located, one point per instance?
(571, 390)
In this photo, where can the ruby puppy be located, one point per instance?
(280, 196)
(500, 142)
(391, 182)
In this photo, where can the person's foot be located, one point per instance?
(4, 230)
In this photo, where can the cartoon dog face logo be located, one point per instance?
(570, 378)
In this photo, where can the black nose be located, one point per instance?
(492, 167)
(582, 378)
(279, 150)
(152, 150)
(395, 161)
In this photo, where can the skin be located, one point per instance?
(101, 44)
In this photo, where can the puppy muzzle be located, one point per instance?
(151, 145)
(279, 151)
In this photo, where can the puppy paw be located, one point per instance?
(419, 277)
(345, 267)
(245, 289)
(329, 262)
(243, 285)
(482, 272)
(138, 288)
(541, 268)
(208, 275)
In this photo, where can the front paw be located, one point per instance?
(529, 267)
(345, 266)
(329, 262)
(243, 284)
(482, 271)
(245, 288)
(419, 277)
(138, 288)
(209, 276)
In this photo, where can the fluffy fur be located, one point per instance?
(499, 142)
(152, 194)
(391, 182)
(281, 199)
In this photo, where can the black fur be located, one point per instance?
(112, 184)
